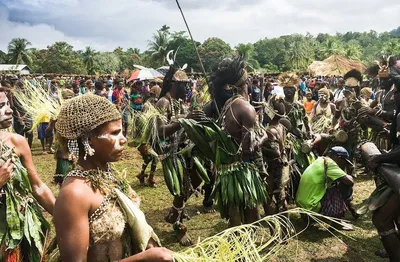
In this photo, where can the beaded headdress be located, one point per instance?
(81, 115)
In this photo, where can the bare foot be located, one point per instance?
(185, 240)
(141, 178)
(152, 182)
(171, 216)
(180, 230)
(208, 209)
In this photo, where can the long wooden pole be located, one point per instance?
(197, 51)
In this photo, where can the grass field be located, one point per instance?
(314, 244)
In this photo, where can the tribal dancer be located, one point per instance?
(102, 224)
(24, 228)
(300, 128)
(294, 110)
(239, 188)
(275, 156)
(385, 200)
(348, 110)
(383, 106)
(323, 113)
(172, 140)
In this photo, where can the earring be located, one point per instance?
(88, 149)
(73, 149)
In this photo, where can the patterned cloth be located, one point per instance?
(332, 204)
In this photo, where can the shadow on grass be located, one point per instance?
(363, 253)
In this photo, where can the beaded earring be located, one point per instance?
(88, 149)
(73, 149)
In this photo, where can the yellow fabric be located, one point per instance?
(45, 119)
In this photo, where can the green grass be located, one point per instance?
(313, 245)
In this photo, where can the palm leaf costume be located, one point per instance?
(23, 229)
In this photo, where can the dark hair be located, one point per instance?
(229, 72)
(99, 85)
(139, 84)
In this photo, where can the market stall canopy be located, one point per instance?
(335, 65)
(144, 73)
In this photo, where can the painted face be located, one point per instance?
(5, 112)
(323, 97)
(109, 145)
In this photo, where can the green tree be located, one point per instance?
(88, 55)
(297, 55)
(270, 51)
(3, 57)
(392, 47)
(212, 51)
(18, 52)
(106, 63)
(158, 46)
(246, 51)
(184, 50)
(62, 59)
(353, 50)
(330, 47)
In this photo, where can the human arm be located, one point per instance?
(312, 114)
(40, 190)
(391, 158)
(334, 119)
(347, 180)
(72, 222)
(165, 130)
(334, 173)
(51, 127)
(155, 254)
(247, 119)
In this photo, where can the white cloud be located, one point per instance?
(106, 24)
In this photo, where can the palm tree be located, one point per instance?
(298, 55)
(246, 51)
(18, 51)
(392, 47)
(158, 47)
(353, 51)
(3, 57)
(88, 55)
(331, 47)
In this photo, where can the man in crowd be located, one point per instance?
(323, 182)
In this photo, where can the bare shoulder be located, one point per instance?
(18, 142)
(162, 103)
(245, 106)
(75, 191)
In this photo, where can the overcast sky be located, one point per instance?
(106, 24)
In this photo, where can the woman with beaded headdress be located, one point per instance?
(93, 214)
(23, 228)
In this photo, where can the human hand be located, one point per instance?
(6, 172)
(316, 139)
(158, 254)
(197, 115)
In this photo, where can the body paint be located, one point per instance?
(116, 140)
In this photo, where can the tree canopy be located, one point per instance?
(285, 53)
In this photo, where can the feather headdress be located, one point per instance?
(288, 79)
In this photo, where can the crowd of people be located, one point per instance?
(256, 143)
